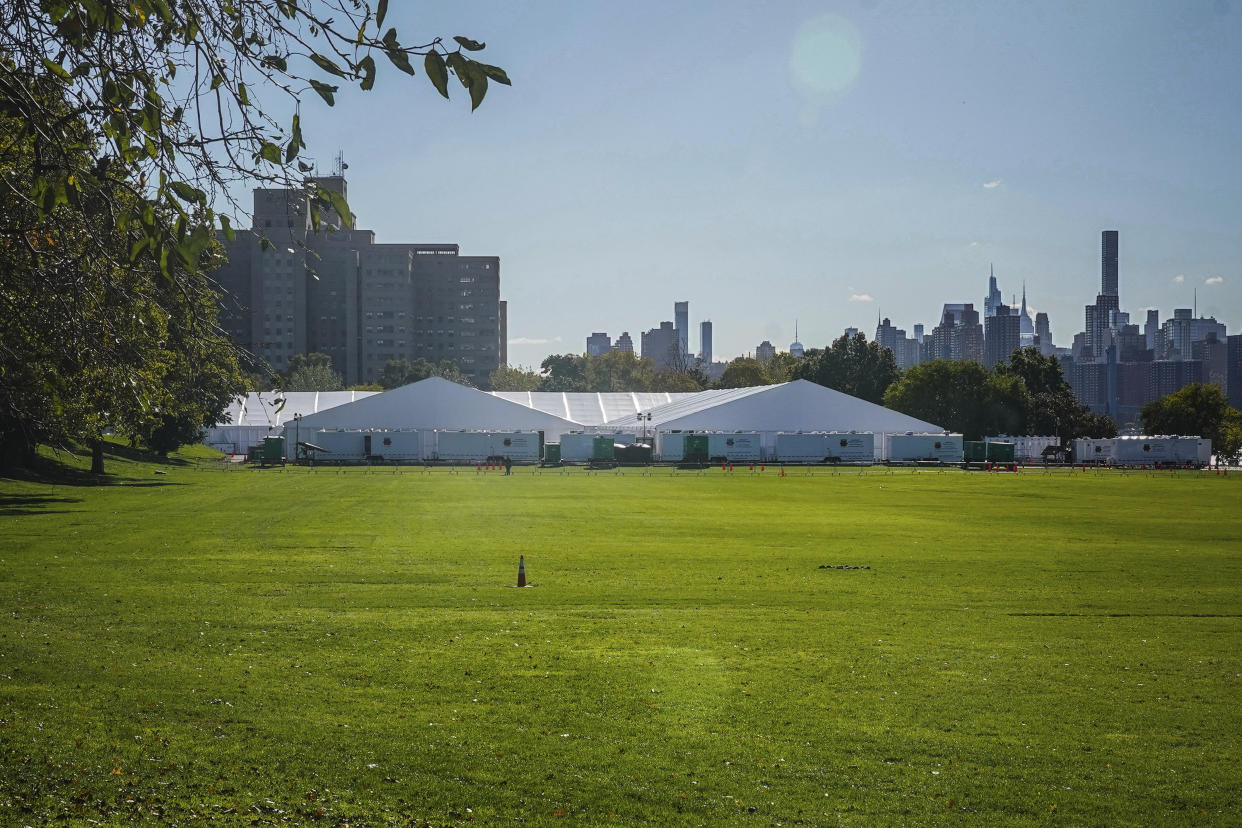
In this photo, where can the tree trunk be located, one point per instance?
(15, 450)
(97, 457)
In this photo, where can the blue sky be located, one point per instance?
(817, 161)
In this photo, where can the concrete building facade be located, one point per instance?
(338, 292)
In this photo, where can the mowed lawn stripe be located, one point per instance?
(348, 647)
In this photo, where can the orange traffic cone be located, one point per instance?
(782, 471)
(521, 570)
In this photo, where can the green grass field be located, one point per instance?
(346, 647)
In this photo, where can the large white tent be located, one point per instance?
(438, 404)
(435, 403)
(262, 414)
(592, 409)
(788, 407)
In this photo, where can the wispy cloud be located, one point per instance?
(992, 185)
(533, 340)
(973, 244)
(1178, 279)
(1214, 280)
(861, 297)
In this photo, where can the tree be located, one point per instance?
(1197, 409)
(782, 367)
(960, 396)
(743, 372)
(96, 332)
(1053, 408)
(398, 372)
(619, 371)
(312, 372)
(177, 99)
(508, 378)
(675, 382)
(563, 372)
(853, 366)
(1040, 374)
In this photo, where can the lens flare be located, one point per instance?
(825, 58)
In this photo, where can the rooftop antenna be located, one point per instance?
(339, 166)
(1196, 311)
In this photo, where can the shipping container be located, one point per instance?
(910, 447)
(696, 448)
(551, 454)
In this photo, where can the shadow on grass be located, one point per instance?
(66, 469)
(12, 505)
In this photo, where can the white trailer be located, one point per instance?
(1025, 446)
(802, 447)
(851, 446)
(911, 447)
(338, 445)
(477, 446)
(396, 446)
(1161, 450)
(670, 446)
(735, 447)
(1097, 450)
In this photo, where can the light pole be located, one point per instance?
(297, 436)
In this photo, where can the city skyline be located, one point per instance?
(783, 162)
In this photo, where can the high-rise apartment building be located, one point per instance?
(624, 343)
(765, 351)
(339, 293)
(959, 335)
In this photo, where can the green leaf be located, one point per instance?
(390, 39)
(187, 193)
(326, 65)
(367, 66)
(325, 91)
(227, 227)
(478, 86)
(56, 69)
(269, 152)
(242, 96)
(295, 141)
(468, 44)
(433, 65)
(381, 11)
(275, 62)
(338, 203)
(400, 60)
(495, 73)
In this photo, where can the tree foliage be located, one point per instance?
(851, 365)
(312, 372)
(96, 332)
(182, 98)
(398, 372)
(1027, 395)
(743, 372)
(510, 378)
(1198, 409)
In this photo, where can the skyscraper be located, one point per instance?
(1108, 262)
(994, 298)
(661, 345)
(705, 342)
(1002, 335)
(681, 321)
(598, 344)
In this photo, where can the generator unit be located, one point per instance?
(734, 447)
